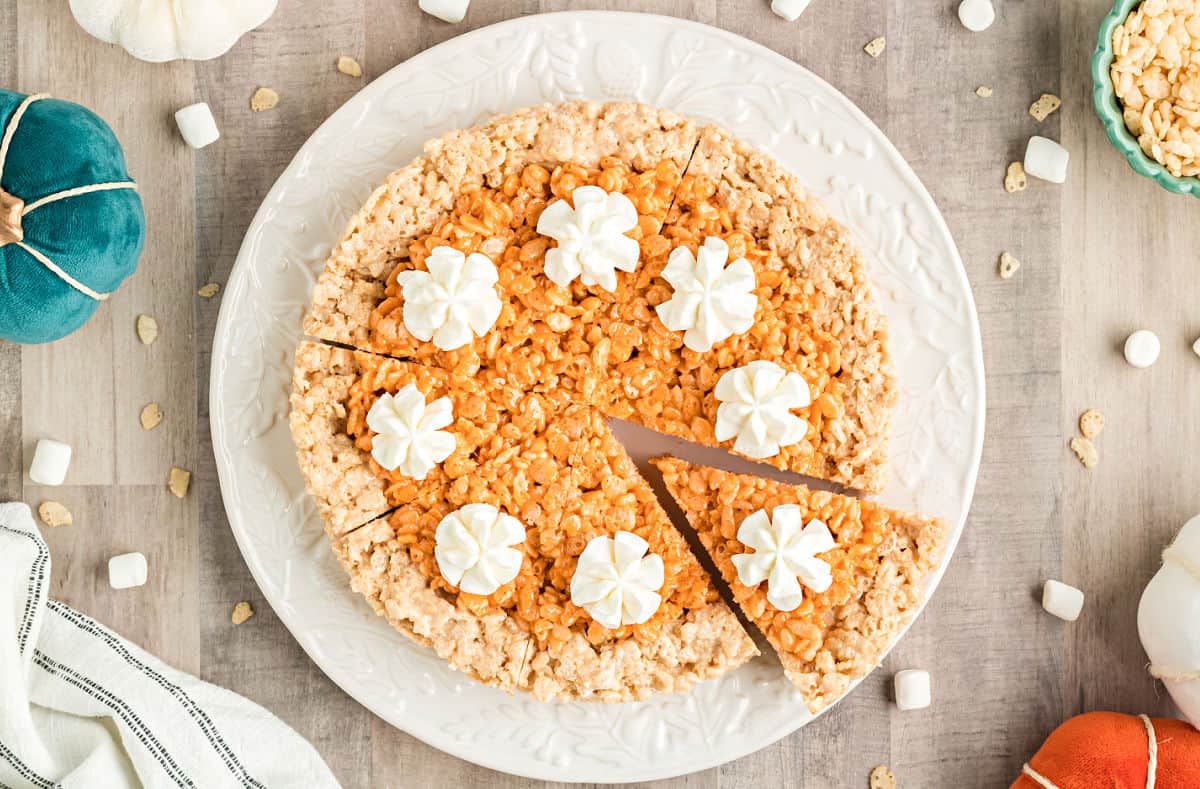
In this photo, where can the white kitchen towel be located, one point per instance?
(82, 708)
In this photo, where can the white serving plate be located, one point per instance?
(709, 74)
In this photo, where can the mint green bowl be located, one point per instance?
(1108, 107)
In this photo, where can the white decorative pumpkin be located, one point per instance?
(161, 30)
(1169, 621)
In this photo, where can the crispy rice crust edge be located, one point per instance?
(337, 473)
(492, 649)
(770, 202)
(864, 628)
(412, 199)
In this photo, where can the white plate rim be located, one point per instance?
(237, 279)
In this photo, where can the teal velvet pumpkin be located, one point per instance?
(71, 220)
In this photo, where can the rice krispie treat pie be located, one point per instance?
(829, 580)
(569, 488)
(528, 279)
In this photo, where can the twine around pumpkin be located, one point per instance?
(13, 208)
(1151, 762)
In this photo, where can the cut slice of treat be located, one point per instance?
(567, 485)
(872, 578)
(483, 190)
(815, 317)
(333, 392)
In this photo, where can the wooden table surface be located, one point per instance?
(1105, 253)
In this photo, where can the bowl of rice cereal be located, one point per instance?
(1146, 75)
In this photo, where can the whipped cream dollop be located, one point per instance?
(592, 244)
(617, 581)
(408, 431)
(454, 301)
(473, 548)
(785, 555)
(712, 301)
(756, 404)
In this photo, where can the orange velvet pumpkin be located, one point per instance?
(1107, 750)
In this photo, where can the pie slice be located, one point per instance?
(878, 568)
(567, 484)
(334, 389)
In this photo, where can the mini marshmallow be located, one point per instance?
(789, 9)
(912, 689)
(197, 125)
(976, 15)
(1196, 346)
(127, 570)
(51, 459)
(1062, 600)
(1142, 348)
(1046, 159)
(451, 11)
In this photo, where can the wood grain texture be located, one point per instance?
(1103, 254)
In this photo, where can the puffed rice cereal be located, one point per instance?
(1014, 178)
(1156, 75)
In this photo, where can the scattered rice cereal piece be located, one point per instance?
(1196, 346)
(54, 514)
(883, 778)
(349, 66)
(1008, 265)
(264, 99)
(1014, 178)
(209, 290)
(1091, 422)
(151, 415)
(875, 46)
(178, 481)
(1046, 104)
(241, 612)
(147, 329)
(1085, 450)
(984, 91)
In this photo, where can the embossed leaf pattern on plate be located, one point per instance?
(810, 127)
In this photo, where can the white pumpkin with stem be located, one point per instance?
(162, 30)
(1169, 621)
